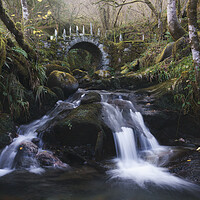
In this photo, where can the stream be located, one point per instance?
(137, 173)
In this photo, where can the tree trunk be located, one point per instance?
(174, 26)
(19, 37)
(194, 40)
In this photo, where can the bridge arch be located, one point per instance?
(93, 46)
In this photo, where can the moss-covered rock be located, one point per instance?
(91, 97)
(83, 126)
(78, 74)
(63, 80)
(80, 127)
(51, 67)
(101, 74)
(7, 129)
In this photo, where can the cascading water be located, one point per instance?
(138, 152)
(28, 133)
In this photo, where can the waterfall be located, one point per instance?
(28, 133)
(139, 155)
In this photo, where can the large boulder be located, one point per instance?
(7, 130)
(82, 127)
(63, 80)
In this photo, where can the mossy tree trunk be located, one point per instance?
(18, 34)
(194, 40)
(175, 28)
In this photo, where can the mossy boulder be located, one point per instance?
(51, 67)
(78, 74)
(63, 80)
(7, 129)
(91, 97)
(83, 126)
(80, 127)
(101, 74)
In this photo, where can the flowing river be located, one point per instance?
(135, 174)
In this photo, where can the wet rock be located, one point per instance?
(65, 81)
(186, 165)
(46, 158)
(58, 91)
(7, 130)
(28, 148)
(26, 153)
(91, 97)
(35, 141)
(82, 126)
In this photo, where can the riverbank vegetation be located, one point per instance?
(153, 48)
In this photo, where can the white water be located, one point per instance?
(138, 153)
(139, 156)
(28, 133)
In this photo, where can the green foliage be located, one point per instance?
(13, 95)
(168, 37)
(40, 93)
(40, 73)
(20, 51)
(185, 88)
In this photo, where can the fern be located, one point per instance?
(20, 51)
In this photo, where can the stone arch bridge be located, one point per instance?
(92, 45)
(86, 42)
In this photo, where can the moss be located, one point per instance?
(181, 49)
(52, 67)
(63, 80)
(124, 52)
(2, 52)
(77, 73)
(81, 126)
(148, 58)
(101, 74)
(167, 52)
